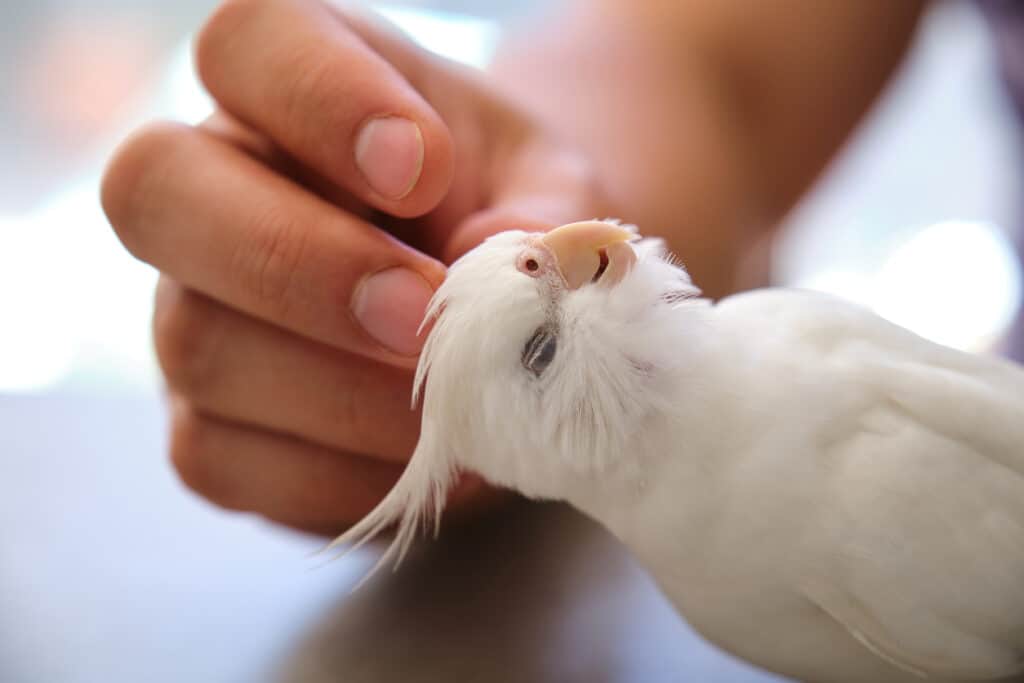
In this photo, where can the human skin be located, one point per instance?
(288, 365)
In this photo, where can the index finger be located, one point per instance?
(224, 224)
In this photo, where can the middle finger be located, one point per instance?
(240, 369)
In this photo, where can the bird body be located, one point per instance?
(817, 490)
(864, 496)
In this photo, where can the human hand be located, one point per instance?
(300, 232)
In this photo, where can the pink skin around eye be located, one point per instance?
(535, 262)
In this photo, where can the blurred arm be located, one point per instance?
(708, 120)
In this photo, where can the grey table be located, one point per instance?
(110, 571)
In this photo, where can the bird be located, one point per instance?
(817, 490)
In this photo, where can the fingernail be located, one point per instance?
(390, 306)
(389, 154)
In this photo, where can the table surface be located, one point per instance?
(111, 571)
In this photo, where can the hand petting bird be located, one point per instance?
(817, 490)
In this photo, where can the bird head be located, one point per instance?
(548, 355)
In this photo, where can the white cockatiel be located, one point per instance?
(817, 490)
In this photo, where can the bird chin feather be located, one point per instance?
(415, 503)
(417, 499)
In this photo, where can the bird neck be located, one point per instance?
(674, 468)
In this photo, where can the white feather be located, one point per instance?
(818, 491)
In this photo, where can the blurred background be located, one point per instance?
(914, 220)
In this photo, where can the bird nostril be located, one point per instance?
(531, 264)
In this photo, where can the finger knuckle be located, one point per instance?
(224, 27)
(190, 454)
(186, 332)
(318, 90)
(362, 398)
(134, 177)
(267, 264)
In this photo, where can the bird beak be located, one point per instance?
(591, 251)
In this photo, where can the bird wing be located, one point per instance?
(918, 548)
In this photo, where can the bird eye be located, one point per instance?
(540, 349)
(532, 265)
